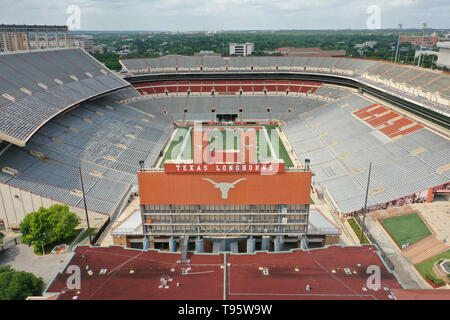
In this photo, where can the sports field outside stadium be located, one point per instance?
(181, 145)
(406, 229)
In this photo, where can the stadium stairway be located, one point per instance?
(425, 249)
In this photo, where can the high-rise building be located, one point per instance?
(242, 49)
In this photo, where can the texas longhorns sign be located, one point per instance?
(191, 188)
(268, 168)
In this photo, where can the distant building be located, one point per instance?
(425, 52)
(428, 41)
(98, 49)
(85, 42)
(208, 53)
(242, 49)
(317, 52)
(370, 44)
(444, 53)
(26, 37)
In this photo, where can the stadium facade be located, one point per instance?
(61, 109)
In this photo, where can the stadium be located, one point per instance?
(222, 152)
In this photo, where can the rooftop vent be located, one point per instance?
(10, 171)
(95, 173)
(28, 92)
(76, 192)
(7, 96)
(43, 86)
(111, 158)
(37, 154)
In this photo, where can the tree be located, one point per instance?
(18, 285)
(47, 226)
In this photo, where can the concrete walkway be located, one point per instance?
(21, 257)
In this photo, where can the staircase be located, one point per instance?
(425, 249)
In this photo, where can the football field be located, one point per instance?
(235, 143)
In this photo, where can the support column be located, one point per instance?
(36, 37)
(172, 244)
(57, 40)
(46, 40)
(251, 245)
(146, 243)
(28, 40)
(5, 46)
(199, 245)
(66, 39)
(278, 243)
(265, 243)
(16, 37)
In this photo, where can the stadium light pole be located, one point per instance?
(85, 206)
(398, 41)
(365, 204)
(424, 25)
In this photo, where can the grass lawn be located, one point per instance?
(425, 268)
(357, 229)
(408, 228)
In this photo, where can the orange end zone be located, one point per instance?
(203, 152)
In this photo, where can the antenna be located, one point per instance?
(424, 26)
(85, 206)
(398, 41)
(365, 204)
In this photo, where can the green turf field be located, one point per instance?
(425, 268)
(408, 228)
(264, 152)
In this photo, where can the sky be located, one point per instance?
(214, 15)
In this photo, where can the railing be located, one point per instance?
(374, 241)
(6, 244)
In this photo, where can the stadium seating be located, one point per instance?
(341, 147)
(391, 77)
(36, 86)
(103, 137)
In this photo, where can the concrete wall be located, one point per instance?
(15, 204)
(444, 55)
(331, 240)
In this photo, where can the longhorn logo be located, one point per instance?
(224, 186)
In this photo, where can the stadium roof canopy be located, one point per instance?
(36, 86)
